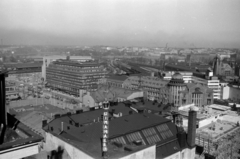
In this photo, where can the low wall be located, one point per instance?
(42, 101)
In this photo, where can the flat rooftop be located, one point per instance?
(219, 107)
(151, 106)
(87, 138)
(92, 116)
(23, 65)
(216, 130)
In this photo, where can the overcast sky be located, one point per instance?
(180, 23)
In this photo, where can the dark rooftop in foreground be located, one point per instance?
(18, 134)
(89, 117)
(87, 138)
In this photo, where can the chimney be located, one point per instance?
(44, 123)
(68, 57)
(192, 117)
(181, 139)
(61, 126)
(152, 74)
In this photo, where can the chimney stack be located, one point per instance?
(192, 118)
(61, 126)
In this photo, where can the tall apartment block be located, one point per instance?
(72, 76)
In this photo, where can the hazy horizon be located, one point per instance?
(180, 23)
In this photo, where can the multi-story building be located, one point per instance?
(166, 91)
(214, 84)
(154, 88)
(72, 76)
(211, 82)
(48, 59)
(231, 92)
(176, 85)
(187, 76)
(186, 93)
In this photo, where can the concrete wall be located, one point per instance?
(34, 101)
(20, 152)
(52, 143)
(147, 153)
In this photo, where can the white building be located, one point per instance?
(214, 84)
(187, 76)
(231, 92)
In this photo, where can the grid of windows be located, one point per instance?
(164, 131)
(119, 140)
(136, 136)
(151, 135)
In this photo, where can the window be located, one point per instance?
(136, 136)
(151, 135)
(164, 131)
(119, 140)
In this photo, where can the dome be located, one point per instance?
(177, 75)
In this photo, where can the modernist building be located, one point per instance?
(48, 59)
(71, 76)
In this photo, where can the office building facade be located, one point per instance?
(72, 76)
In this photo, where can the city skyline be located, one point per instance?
(131, 23)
